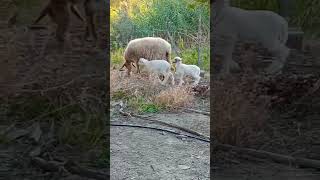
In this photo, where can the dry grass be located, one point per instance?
(139, 89)
(239, 117)
(174, 97)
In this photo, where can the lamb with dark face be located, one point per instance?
(183, 70)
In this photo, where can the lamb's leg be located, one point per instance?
(197, 79)
(172, 78)
(138, 68)
(166, 77)
(180, 80)
(226, 66)
(159, 79)
(228, 63)
(281, 52)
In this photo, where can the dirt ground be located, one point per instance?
(149, 154)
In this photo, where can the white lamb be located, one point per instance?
(183, 70)
(157, 67)
(265, 27)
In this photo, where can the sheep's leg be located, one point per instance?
(197, 79)
(228, 63)
(138, 68)
(281, 52)
(155, 80)
(129, 69)
(180, 80)
(172, 78)
(226, 66)
(166, 77)
(149, 76)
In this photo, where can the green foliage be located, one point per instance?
(83, 130)
(190, 56)
(120, 95)
(305, 13)
(257, 4)
(30, 108)
(3, 139)
(104, 158)
(143, 105)
(117, 55)
(149, 108)
(158, 17)
(307, 16)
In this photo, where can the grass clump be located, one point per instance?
(143, 95)
(239, 117)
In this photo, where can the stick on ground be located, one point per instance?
(302, 162)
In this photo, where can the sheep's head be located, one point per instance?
(127, 65)
(142, 61)
(177, 60)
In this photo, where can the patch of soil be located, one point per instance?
(148, 154)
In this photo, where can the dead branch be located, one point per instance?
(52, 166)
(160, 129)
(198, 111)
(73, 168)
(160, 122)
(70, 167)
(58, 86)
(53, 111)
(169, 125)
(302, 162)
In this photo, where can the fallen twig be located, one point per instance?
(159, 129)
(160, 122)
(315, 87)
(70, 167)
(73, 168)
(50, 112)
(198, 111)
(52, 166)
(58, 86)
(171, 125)
(302, 162)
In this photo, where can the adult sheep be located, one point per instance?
(150, 48)
(231, 24)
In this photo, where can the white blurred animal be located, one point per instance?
(266, 27)
(157, 67)
(183, 70)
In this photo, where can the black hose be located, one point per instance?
(159, 129)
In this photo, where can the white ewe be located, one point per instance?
(183, 70)
(157, 67)
(231, 24)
